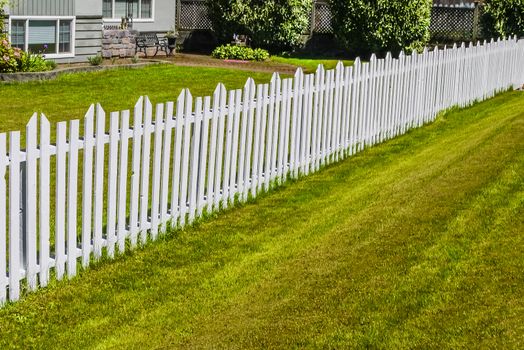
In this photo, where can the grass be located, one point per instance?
(69, 96)
(310, 64)
(416, 243)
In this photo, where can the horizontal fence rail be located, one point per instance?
(81, 190)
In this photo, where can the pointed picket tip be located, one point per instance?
(275, 77)
(299, 72)
(340, 65)
(401, 54)
(250, 82)
(139, 102)
(389, 55)
(425, 51)
(33, 120)
(181, 95)
(44, 120)
(220, 87)
(189, 95)
(90, 112)
(373, 58)
(414, 53)
(99, 108)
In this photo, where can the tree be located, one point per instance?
(367, 26)
(503, 18)
(275, 25)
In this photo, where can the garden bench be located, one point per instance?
(151, 40)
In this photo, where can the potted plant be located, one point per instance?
(171, 36)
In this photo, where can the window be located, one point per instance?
(44, 35)
(141, 9)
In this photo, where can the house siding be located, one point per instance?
(164, 18)
(43, 8)
(88, 37)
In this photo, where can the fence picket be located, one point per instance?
(194, 162)
(166, 162)
(268, 168)
(248, 178)
(72, 190)
(177, 156)
(3, 221)
(185, 157)
(262, 138)
(112, 174)
(229, 140)
(99, 182)
(14, 216)
(204, 143)
(157, 168)
(122, 183)
(60, 197)
(276, 129)
(145, 169)
(220, 146)
(233, 179)
(257, 140)
(30, 213)
(44, 200)
(87, 184)
(213, 150)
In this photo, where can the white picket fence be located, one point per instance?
(203, 154)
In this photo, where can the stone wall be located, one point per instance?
(118, 43)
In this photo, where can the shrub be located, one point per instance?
(240, 53)
(35, 63)
(378, 26)
(503, 18)
(10, 57)
(95, 60)
(275, 25)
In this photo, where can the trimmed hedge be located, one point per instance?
(503, 18)
(364, 27)
(275, 25)
(240, 53)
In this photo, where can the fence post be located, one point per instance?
(476, 21)
(312, 19)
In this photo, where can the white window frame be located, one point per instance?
(135, 20)
(48, 18)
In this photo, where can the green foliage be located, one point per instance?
(95, 60)
(503, 18)
(381, 25)
(35, 63)
(13, 59)
(240, 53)
(3, 3)
(275, 25)
(9, 56)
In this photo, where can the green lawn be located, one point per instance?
(70, 95)
(416, 243)
(310, 65)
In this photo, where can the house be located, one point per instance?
(458, 3)
(72, 30)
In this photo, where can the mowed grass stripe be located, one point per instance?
(403, 245)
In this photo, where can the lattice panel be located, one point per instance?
(322, 18)
(452, 23)
(193, 15)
